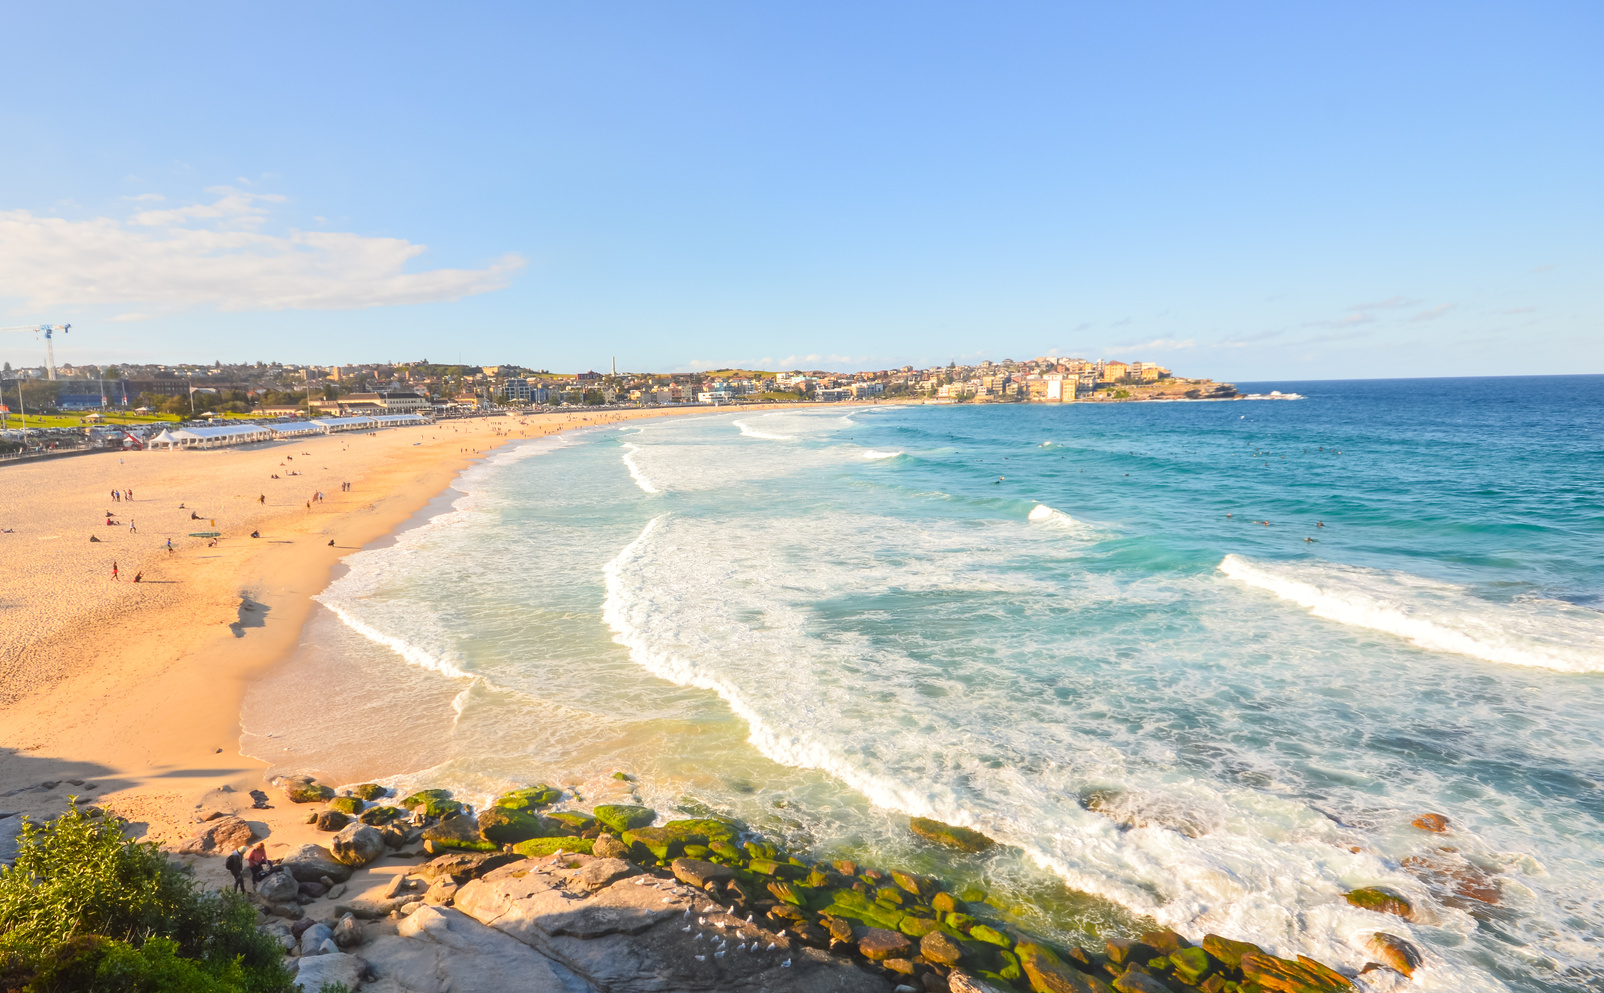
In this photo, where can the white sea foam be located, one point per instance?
(1433, 615)
(752, 432)
(1045, 515)
(873, 455)
(411, 653)
(635, 472)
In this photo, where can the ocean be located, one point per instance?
(1195, 663)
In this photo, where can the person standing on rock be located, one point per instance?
(235, 864)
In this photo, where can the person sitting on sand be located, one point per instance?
(138, 576)
(256, 534)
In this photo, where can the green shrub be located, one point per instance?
(85, 908)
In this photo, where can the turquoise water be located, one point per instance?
(1066, 626)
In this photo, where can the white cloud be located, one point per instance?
(1433, 313)
(215, 255)
(1387, 304)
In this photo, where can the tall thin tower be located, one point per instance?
(615, 367)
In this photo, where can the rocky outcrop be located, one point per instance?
(220, 836)
(458, 832)
(950, 836)
(440, 950)
(277, 887)
(644, 934)
(316, 971)
(1435, 823)
(621, 817)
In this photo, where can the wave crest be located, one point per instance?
(1433, 615)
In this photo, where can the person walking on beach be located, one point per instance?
(169, 546)
(114, 577)
(131, 526)
(235, 864)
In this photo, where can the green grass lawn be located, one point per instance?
(76, 419)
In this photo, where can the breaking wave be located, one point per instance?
(1435, 615)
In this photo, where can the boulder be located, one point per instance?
(433, 803)
(303, 789)
(621, 817)
(357, 845)
(1277, 975)
(310, 863)
(370, 791)
(940, 948)
(946, 903)
(221, 835)
(380, 815)
(348, 805)
(700, 874)
(1134, 980)
(1382, 901)
(529, 797)
(1435, 823)
(1229, 952)
(1394, 952)
(331, 820)
(277, 887)
(1191, 965)
(573, 820)
(444, 890)
(959, 981)
(608, 847)
(920, 886)
(507, 826)
(539, 847)
(670, 840)
(1165, 942)
(318, 971)
(878, 943)
(962, 838)
(597, 874)
(312, 891)
(458, 832)
(1048, 973)
(313, 937)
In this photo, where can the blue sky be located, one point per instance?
(1246, 191)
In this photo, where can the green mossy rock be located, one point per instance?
(621, 817)
(946, 903)
(434, 803)
(697, 852)
(962, 838)
(539, 847)
(1192, 965)
(529, 797)
(508, 827)
(889, 894)
(758, 850)
(764, 867)
(380, 815)
(308, 792)
(573, 820)
(421, 797)
(920, 886)
(916, 927)
(1229, 952)
(1048, 973)
(669, 841)
(972, 894)
(725, 850)
(1010, 967)
(1382, 901)
(347, 805)
(990, 936)
(370, 791)
(960, 922)
(458, 832)
(858, 907)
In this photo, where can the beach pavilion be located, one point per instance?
(211, 437)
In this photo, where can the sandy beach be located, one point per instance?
(129, 693)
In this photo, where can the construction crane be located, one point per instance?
(50, 348)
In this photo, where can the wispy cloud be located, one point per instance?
(1433, 313)
(1544, 268)
(1387, 304)
(1519, 310)
(216, 255)
(1156, 345)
